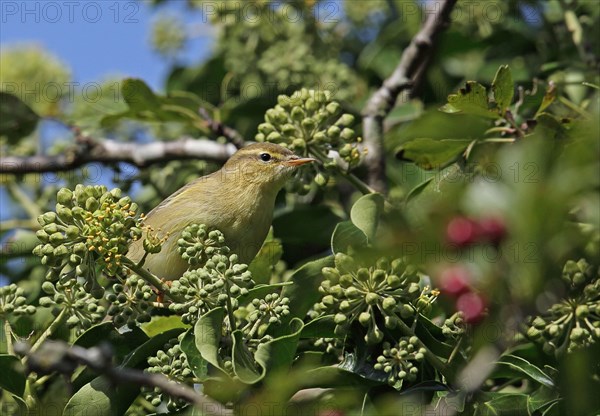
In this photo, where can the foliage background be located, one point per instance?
(539, 177)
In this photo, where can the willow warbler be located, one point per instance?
(238, 200)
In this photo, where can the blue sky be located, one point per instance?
(99, 38)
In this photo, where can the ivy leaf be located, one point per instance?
(321, 327)
(244, 365)
(503, 88)
(524, 367)
(303, 292)
(198, 364)
(345, 235)
(472, 99)
(502, 404)
(365, 213)
(432, 154)
(207, 333)
(17, 119)
(279, 353)
(268, 256)
(12, 377)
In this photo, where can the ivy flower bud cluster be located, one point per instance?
(12, 302)
(82, 309)
(130, 303)
(353, 292)
(265, 312)
(221, 280)
(197, 244)
(91, 229)
(172, 363)
(310, 122)
(398, 362)
(454, 326)
(574, 322)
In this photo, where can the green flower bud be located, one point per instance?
(364, 318)
(372, 298)
(333, 108)
(64, 196)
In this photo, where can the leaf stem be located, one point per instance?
(150, 278)
(8, 334)
(60, 318)
(350, 177)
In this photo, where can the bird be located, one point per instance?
(238, 200)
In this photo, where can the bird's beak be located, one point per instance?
(298, 161)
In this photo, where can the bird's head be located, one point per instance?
(264, 164)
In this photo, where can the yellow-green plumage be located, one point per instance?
(238, 200)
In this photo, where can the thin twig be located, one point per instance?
(409, 70)
(111, 151)
(220, 129)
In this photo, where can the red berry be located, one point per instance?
(462, 231)
(493, 229)
(455, 280)
(472, 306)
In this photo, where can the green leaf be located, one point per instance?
(503, 88)
(144, 105)
(502, 404)
(207, 333)
(541, 398)
(138, 95)
(472, 99)
(268, 256)
(303, 293)
(278, 354)
(160, 324)
(345, 235)
(524, 367)
(432, 154)
(300, 241)
(365, 213)
(12, 377)
(416, 191)
(17, 119)
(197, 363)
(244, 365)
(321, 327)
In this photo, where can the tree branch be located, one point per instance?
(409, 70)
(58, 356)
(111, 151)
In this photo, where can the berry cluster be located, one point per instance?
(454, 326)
(574, 322)
(455, 281)
(173, 363)
(82, 309)
(12, 302)
(90, 230)
(130, 303)
(465, 231)
(309, 122)
(367, 293)
(220, 280)
(197, 244)
(398, 361)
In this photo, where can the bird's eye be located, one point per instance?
(265, 157)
